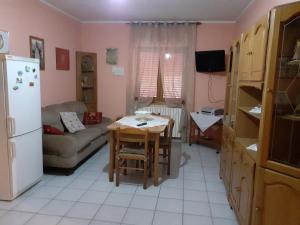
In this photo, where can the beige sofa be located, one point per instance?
(66, 152)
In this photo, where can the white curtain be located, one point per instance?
(144, 65)
(170, 48)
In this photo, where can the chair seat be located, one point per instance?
(135, 151)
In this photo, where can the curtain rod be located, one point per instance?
(165, 22)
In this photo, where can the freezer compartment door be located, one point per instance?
(23, 100)
(26, 157)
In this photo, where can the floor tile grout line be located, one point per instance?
(209, 205)
(155, 208)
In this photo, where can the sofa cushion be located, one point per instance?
(78, 107)
(71, 121)
(85, 137)
(52, 118)
(92, 118)
(52, 130)
(69, 144)
(101, 127)
(59, 145)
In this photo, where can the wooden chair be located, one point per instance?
(165, 143)
(124, 152)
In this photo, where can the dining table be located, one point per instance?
(158, 126)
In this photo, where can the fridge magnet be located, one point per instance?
(112, 56)
(37, 50)
(15, 88)
(62, 59)
(4, 47)
(19, 80)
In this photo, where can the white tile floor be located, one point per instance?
(192, 195)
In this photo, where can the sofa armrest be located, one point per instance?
(60, 145)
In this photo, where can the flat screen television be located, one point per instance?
(210, 61)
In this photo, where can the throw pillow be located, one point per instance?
(52, 130)
(71, 121)
(92, 118)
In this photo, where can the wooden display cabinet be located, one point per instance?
(86, 79)
(253, 51)
(229, 115)
(281, 130)
(277, 197)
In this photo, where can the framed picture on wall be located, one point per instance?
(112, 56)
(37, 50)
(62, 59)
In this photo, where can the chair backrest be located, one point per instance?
(170, 130)
(133, 135)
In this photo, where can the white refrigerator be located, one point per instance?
(21, 157)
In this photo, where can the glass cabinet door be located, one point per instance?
(285, 128)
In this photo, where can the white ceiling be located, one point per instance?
(150, 10)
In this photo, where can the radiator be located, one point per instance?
(174, 113)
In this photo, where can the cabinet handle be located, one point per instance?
(270, 90)
(238, 189)
(257, 209)
(234, 163)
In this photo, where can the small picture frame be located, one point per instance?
(112, 56)
(62, 59)
(37, 50)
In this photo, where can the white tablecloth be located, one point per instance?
(132, 121)
(204, 121)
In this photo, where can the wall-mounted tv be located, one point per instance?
(210, 61)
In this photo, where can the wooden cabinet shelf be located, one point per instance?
(87, 88)
(247, 111)
(254, 84)
(291, 117)
(294, 62)
(86, 82)
(246, 142)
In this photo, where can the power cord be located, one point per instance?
(210, 96)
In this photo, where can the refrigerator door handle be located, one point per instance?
(11, 126)
(12, 150)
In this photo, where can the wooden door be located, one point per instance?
(279, 149)
(245, 63)
(229, 159)
(246, 182)
(235, 186)
(277, 199)
(258, 49)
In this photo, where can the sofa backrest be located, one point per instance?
(50, 113)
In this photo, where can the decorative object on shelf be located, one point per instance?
(4, 42)
(87, 64)
(297, 51)
(112, 56)
(37, 50)
(256, 109)
(62, 59)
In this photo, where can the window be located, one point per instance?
(160, 77)
(148, 73)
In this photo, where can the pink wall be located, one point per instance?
(24, 18)
(212, 37)
(112, 89)
(255, 11)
